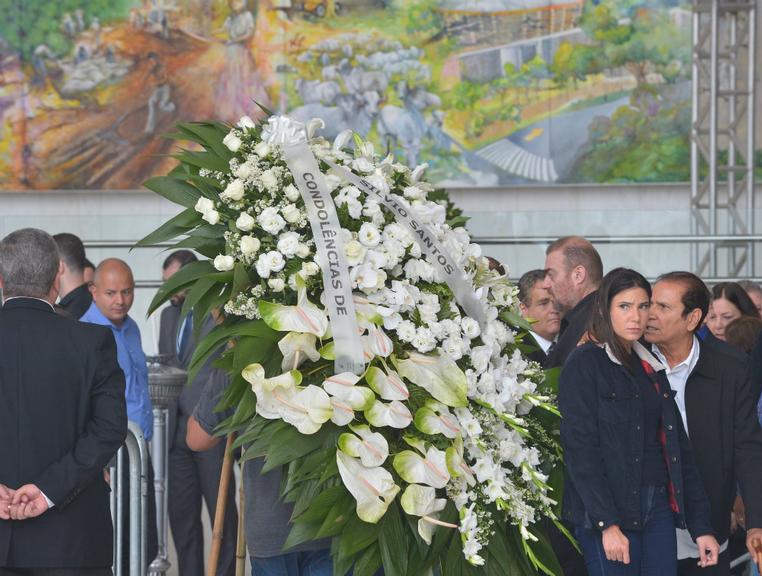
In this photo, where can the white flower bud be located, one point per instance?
(204, 205)
(223, 263)
(291, 213)
(233, 191)
(232, 142)
(246, 123)
(245, 222)
(212, 216)
(249, 245)
(276, 284)
(292, 193)
(262, 149)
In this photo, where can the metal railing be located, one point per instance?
(137, 457)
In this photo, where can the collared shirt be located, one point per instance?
(132, 361)
(678, 378)
(543, 343)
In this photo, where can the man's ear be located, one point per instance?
(694, 318)
(579, 275)
(522, 308)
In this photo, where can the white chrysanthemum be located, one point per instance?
(288, 242)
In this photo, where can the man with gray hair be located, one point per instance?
(62, 418)
(536, 306)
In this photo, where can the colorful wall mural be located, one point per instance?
(488, 92)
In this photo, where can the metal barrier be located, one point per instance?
(137, 456)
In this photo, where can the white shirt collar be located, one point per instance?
(31, 298)
(689, 362)
(544, 343)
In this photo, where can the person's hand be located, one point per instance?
(616, 545)
(737, 515)
(754, 545)
(6, 497)
(28, 502)
(709, 550)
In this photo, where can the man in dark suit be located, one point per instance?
(75, 297)
(713, 391)
(536, 306)
(573, 272)
(192, 475)
(62, 418)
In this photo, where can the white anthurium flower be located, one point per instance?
(342, 387)
(271, 392)
(435, 418)
(373, 488)
(388, 385)
(438, 374)
(367, 313)
(415, 442)
(370, 447)
(307, 410)
(430, 470)
(395, 414)
(328, 352)
(304, 317)
(422, 501)
(296, 347)
(456, 464)
(377, 343)
(342, 412)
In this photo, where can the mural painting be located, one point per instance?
(488, 92)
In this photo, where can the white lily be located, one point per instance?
(438, 374)
(395, 414)
(271, 392)
(435, 418)
(307, 410)
(373, 488)
(296, 348)
(305, 317)
(376, 343)
(416, 469)
(342, 387)
(422, 501)
(387, 385)
(370, 447)
(456, 464)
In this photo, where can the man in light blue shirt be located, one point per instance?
(113, 294)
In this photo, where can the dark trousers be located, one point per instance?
(193, 476)
(152, 534)
(653, 550)
(690, 567)
(55, 572)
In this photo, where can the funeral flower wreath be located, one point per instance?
(372, 351)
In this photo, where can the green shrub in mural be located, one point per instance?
(487, 93)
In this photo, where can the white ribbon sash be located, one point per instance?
(329, 242)
(437, 255)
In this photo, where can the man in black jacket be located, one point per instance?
(192, 475)
(536, 305)
(62, 418)
(75, 297)
(713, 391)
(573, 272)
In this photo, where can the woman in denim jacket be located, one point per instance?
(630, 476)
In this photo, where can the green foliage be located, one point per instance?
(422, 17)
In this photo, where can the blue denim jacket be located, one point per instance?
(602, 437)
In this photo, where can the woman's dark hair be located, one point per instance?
(743, 332)
(601, 329)
(736, 295)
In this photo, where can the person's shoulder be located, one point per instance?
(588, 354)
(722, 352)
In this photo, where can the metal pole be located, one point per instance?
(713, 136)
(119, 511)
(695, 135)
(160, 457)
(751, 129)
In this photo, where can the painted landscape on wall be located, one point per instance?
(488, 92)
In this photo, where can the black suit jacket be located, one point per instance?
(726, 437)
(573, 326)
(169, 325)
(538, 355)
(62, 418)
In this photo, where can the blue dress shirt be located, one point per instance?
(132, 361)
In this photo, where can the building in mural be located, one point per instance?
(488, 92)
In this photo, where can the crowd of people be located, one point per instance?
(659, 391)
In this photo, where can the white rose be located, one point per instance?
(354, 207)
(233, 191)
(288, 243)
(204, 205)
(223, 263)
(269, 180)
(292, 192)
(369, 235)
(232, 142)
(246, 123)
(212, 216)
(291, 213)
(310, 268)
(355, 252)
(302, 250)
(271, 221)
(470, 328)
(249, 245)
(276, 260)
(245, 170)
(276, 284)
(262, 149)
(245, 222)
